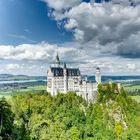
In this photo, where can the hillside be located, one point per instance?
(69, 117)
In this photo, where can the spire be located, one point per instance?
(98, 68)
(57, 60)
(65, 66)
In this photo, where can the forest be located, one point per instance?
(39, 116)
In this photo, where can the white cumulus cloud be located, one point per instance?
(62, 4)
(112, 27)
(34, 59)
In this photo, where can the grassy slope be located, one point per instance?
(7, 94)
(137, 98)
(132, 87)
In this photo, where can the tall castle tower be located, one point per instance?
(65, 78)
(57, 61)
(98, 75)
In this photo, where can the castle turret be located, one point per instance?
(53, 87)
(98, 76)
(57, 61)
(65, 78)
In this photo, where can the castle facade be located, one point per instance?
(63, 79)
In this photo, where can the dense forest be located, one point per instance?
(39, 116)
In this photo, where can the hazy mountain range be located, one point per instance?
(10, 77)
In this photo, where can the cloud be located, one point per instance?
(131, 66)
(23, 68)
(106, 35)
(12, 67)
(62, 4)
(126, 2)
(42, 52)
(112, 27)
(34, 59)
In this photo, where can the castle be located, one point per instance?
(63, 79)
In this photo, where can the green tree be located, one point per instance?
(6, 119)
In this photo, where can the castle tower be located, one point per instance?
(57, 61)
(52, 89)
(49, 78)
(98, 76)
(65, 78)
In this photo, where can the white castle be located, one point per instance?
(62, 79)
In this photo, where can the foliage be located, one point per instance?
(6, 119)
(40, 116)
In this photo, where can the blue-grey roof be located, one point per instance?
(97, 68)
(58, 71)
(73, 72)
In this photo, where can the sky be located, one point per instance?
(85, 33)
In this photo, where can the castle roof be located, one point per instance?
(58, 71)
(97, 68)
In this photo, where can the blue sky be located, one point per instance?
(26, 21)
(86, 33)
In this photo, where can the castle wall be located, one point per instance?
(63, 80)
(87, 90)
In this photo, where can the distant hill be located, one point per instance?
(115, 78)
(10, 77)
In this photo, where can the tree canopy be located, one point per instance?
(40, 116)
